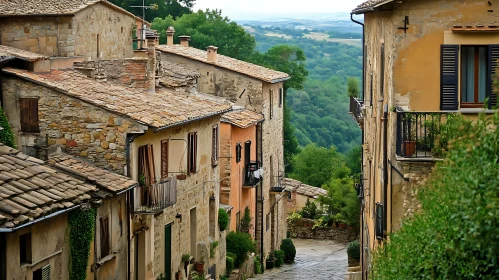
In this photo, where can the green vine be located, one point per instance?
(81, 232)
(6, 134)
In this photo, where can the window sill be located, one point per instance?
(107, 258)
(475, 111)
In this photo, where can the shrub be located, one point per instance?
(240, 244)
(353, 250)
(258, 265)
(310, 211)
(454, 235)
(245, 224)
(223, 219)
(6, 135)
(289, 250)
(229, 265)
(279, 258)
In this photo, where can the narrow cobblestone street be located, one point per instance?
(315, 259)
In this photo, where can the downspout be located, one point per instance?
(363, 54)
(262, 197)
(385, 169)
(95, 246)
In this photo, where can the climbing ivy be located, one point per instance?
(6, 135)
(81, 232)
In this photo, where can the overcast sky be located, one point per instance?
(244, 9)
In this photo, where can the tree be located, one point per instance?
(316, 165)
(6, 134)
(353, 87)
(454, 234)
(291, 148)
(354, 159)
(161, 8)
(210, 28)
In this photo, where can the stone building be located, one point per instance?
(257, 89)
(150, 136)
(423, 60)
(238, 163)
(88, 29)
(34, 224)
(300, 193)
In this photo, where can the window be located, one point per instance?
(42, 273)
(238, 152)
(477, 68)
(164, 159)
(147, 175)
(25, 248)
(192, 152)
(281, 97)
(247, 152)
(268, 221)
(473, 75)
(238, 221)
(105, 247)
(271, 104)
(382, 75)
(379, 221)
(29, 115)
(214, 148)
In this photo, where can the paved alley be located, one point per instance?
(315, 259)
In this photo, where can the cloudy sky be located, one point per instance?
(242, 9)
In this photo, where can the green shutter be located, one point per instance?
(449, 77)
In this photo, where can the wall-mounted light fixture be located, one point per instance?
(179, 216)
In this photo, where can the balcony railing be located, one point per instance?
(356, 110)
(417, 133)
(250, 178)
(157, 197)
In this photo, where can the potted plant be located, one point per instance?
(200, 266)
(409, 144)
(270, 261)
(340, 220)
(186, 258)
(353, 251)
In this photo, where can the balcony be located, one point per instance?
(417, 133)
(157, 197)
(356, 110)
(250, 179)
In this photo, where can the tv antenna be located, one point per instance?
(144, 7)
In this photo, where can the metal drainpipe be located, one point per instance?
(95, 244)
(262, 196)
(385, 168)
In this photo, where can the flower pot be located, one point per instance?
(342, 226)
(409, 148)
(181, 177)
(200, 267)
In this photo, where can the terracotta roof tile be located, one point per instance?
(21, 54)
(24, 199)
(369, 6)
(109, 181)
(242, 118)
(246, 68)
(303, 189)
(160, 109)
(50, 7)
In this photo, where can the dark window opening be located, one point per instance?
(192, 152)
(271, 104)
(267, 222)
(474, 64)
(379, 221)
(105, 247)
(238, 152)
(214, 148)
(25, 248)
(247, 152)
(281, 96)
(29, 115)
(147, 175)
(42, 273)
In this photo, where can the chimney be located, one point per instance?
(151, 62)
(212, 54)
(184, 40)
(170, 32)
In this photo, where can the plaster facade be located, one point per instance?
(403, 69)
(93, 30)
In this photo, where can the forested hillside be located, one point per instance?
(320, 110)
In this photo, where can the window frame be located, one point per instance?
(25, 249)
(28, 111)
(192, 151)
(104, 237)
(477, 103)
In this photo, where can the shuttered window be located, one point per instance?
(164, 159)
(492, 68)
(238, 152)
(105, 247)
(449, 77)
(214, 146)
(46, 272)
(192, 152)
(29, 115)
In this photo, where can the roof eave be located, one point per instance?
(38, 15)
(158, 129)
(275, 81)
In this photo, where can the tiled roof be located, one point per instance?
(242, 118)
(109, 181)
(246, 68)
(21, 54)
(303, 189)
(159, 110)
(30, 190)
(369, 6)
(50, 7)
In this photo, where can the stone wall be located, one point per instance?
(247, 270)
(129, 72)
(80, 129)
(303, 229)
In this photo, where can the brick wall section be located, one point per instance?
(130, 72)
(80, 129)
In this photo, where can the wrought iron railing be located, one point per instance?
(417, 133)
(250, 179)
(157, 197)
(356, 110)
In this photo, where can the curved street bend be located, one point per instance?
(315, 259)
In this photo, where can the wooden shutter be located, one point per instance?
(164, 159)
(214, 148)
(449, 77)
(493, 64)
(29, 115)
(104, 237)
(193, 147)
